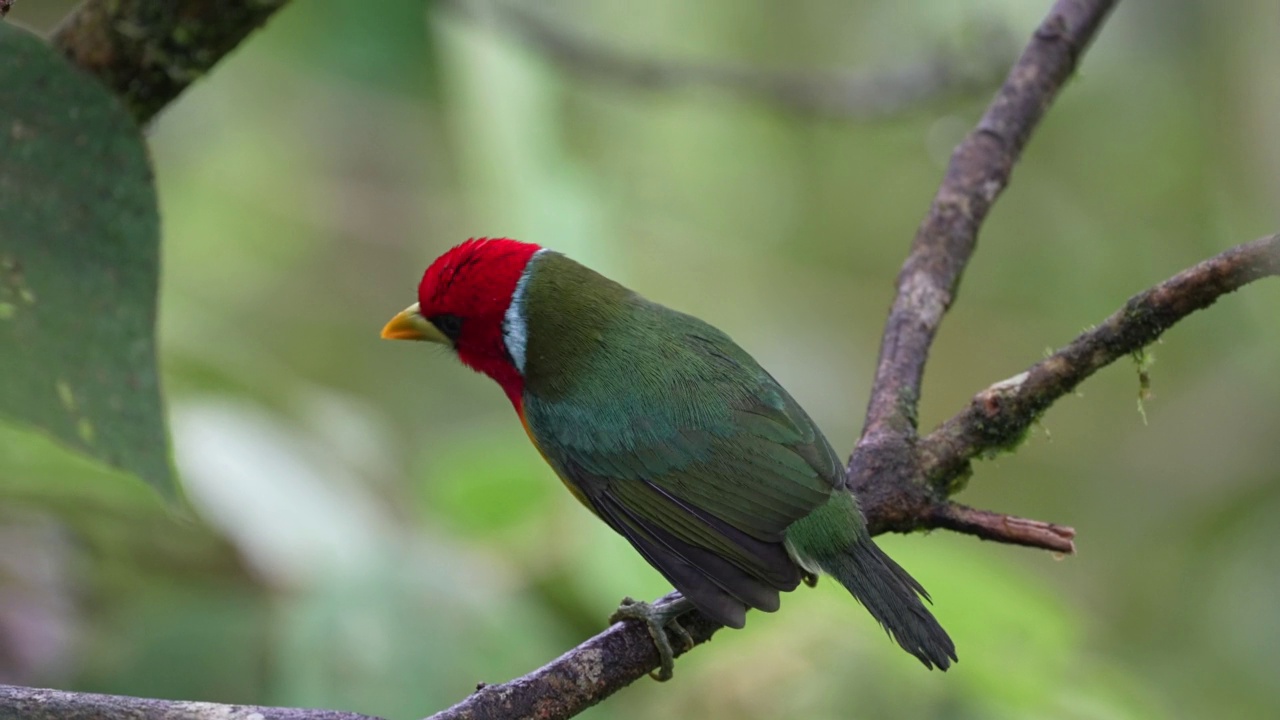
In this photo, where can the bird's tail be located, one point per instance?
(834, 538)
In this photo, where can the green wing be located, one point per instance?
(680, 442)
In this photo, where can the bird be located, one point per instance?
(672, 434)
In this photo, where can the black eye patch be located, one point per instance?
(448, 324)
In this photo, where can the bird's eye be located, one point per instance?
(450, 325)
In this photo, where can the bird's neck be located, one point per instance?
(501, 370)
(573, 315)
(513, 386)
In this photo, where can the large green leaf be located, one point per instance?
(79, 264)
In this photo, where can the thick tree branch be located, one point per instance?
(858, 96)
(1000, 416)
(149, 51)
(21, 703)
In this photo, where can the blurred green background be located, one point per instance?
(370, 529)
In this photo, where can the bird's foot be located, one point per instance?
(659, 617)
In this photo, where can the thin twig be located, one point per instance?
(946, 75)
(149, 51)
(1003, 528)
(999, 416)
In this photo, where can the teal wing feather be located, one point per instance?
(683, 444)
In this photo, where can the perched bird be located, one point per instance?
(671, 434)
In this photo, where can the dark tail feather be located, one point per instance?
(893, 598)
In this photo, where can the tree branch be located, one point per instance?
(978, 172)
(861, 96)
(149, 51)
(21, 703)
(1003, 528)
(885, 469)
(578, 679)
(999, 416)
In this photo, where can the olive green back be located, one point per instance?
(675, 436)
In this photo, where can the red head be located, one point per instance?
(463, 300)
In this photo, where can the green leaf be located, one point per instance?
(79, 264)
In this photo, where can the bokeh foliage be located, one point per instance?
(372, 531)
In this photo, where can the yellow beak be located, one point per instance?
(410, 325)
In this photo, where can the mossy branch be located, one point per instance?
(1001, 414)
(149, 51)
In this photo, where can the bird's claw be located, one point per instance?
(658, 618)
